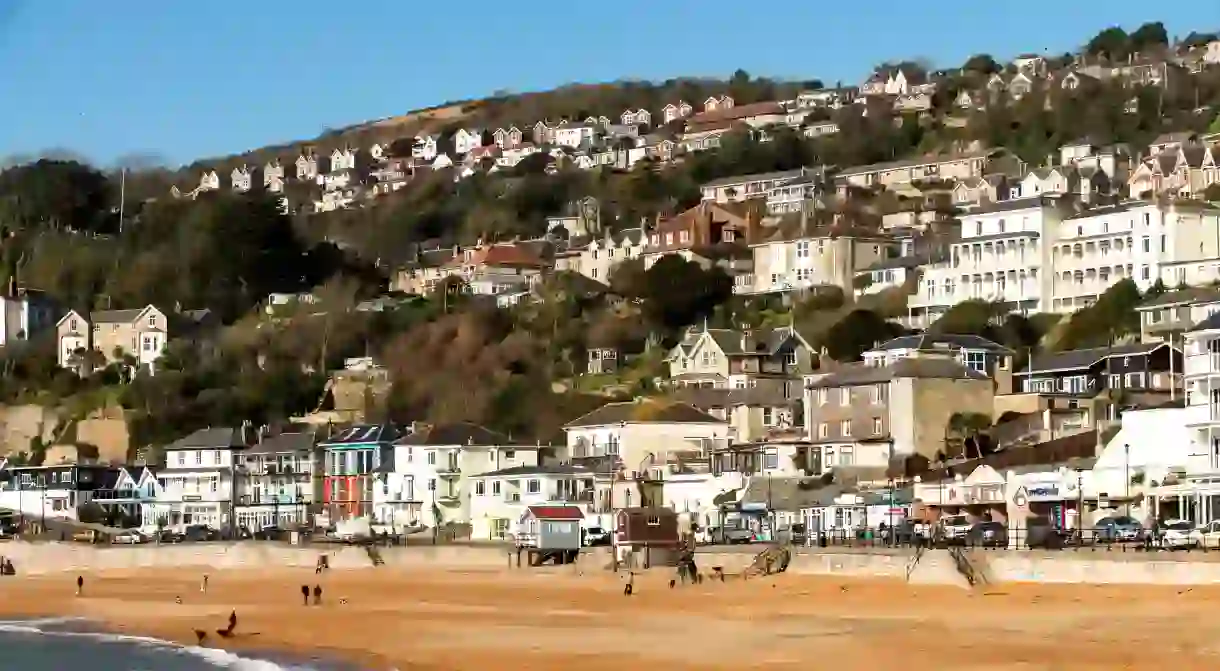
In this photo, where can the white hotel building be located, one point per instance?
(1039, 255)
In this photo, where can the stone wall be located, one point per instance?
(934, 568)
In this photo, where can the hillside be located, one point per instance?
(451, 355)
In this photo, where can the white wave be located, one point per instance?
(221, 659)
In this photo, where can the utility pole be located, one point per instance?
(122, 196)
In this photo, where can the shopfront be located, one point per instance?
(1051, 494)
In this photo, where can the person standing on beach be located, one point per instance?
(80, 584)
(317, 595)
(204, 586)
(305, 594)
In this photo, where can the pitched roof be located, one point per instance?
(757, 177)
(114, 316)
(554, 512)
(1182, 297)
(457, 433)
(910, 367)
(210, 438)
(707, 397)
(941, 341)
(1084, 358)
(500, 254)
(289, 442)
(1210, 324)
(646, 410)
(739, 112)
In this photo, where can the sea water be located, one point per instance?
(68, 643)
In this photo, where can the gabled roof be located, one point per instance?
(941, 341)
(643, 411)
(1184, 296)
(1084, 358)
(457, 433)
(910, 367)
(284, 443)
(553, 513)
(211, 438)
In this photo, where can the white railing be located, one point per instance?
(1202, 364)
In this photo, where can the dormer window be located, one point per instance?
(152, 321)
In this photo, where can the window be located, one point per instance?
(823, 397)
(876, 393)
(182, 458)
(654, 521)
(510, 454)
(495, 488)
(216, 457)
(532, 486)
(1002, 363)
(432, 484)
(684, 237)
(975, 360)
(1135, 380)
(845, 396)
(152, 321)
(768, 416)
(847, 455)
(790, 358)
(72, 324)
(771, 459)
(480, 488)
(845, 427)
(877, 426)
(1146, 245)
(802, 249)
(431, 457)
(823, 430)
(1001, 224)
(198, 457)
(212, 484)
(1116, 380)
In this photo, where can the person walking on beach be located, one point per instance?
(204, 587)
(80, 584)
(317, 595)
(305, 594)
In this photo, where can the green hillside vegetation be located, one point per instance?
(452, 357)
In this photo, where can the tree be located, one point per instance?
(982, 64)
(676, 293)
(856, 333)
(1148, 36)
(964, 434)
(1113, 42)
(59, 195)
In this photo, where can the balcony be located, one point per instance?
(1202, 364)
(448, 469)
(449, 496)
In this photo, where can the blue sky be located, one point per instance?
(189, 80)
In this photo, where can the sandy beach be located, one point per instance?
(553, 619)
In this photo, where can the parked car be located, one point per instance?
(200, 532)
(169, 536)
(594, 536)
(1041, 533)
(988, 534)
(1118, 529)
(954, 528)
(735, 536)
(128, 538)
(1180, 535)
(1207, 536)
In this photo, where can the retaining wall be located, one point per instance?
(37, 558)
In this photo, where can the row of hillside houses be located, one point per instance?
(348, 175)
(1046, 239)
(750, 431)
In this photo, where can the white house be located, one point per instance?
(574, 135)
(273, 176)
(499, 498)
(466, 140)
(425, 147)
(645, 433)
(196, 484)
(242, 178)
(274, 481)
(428, 481)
